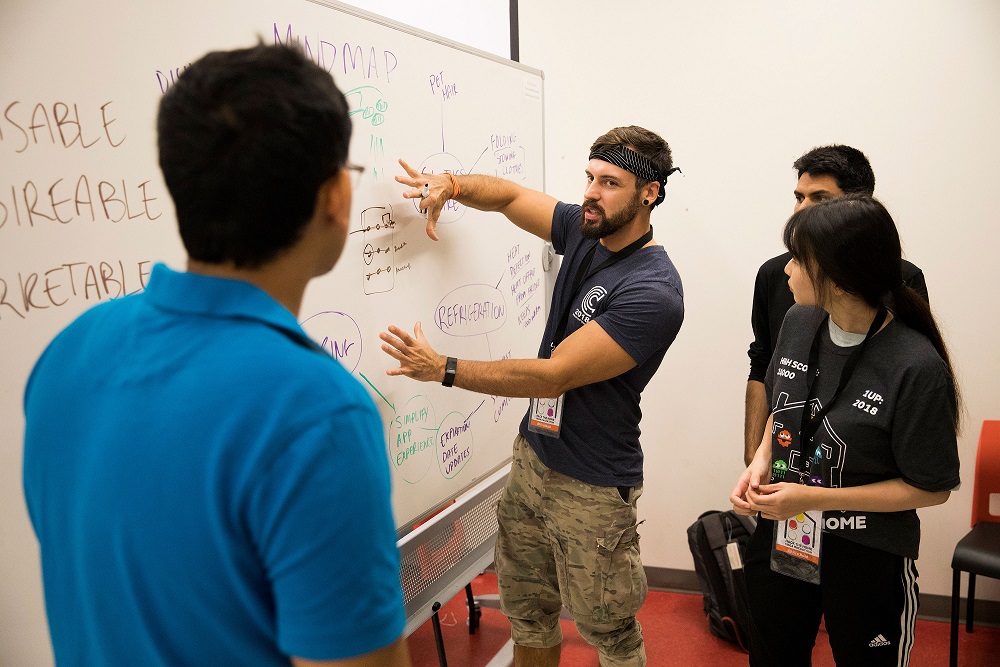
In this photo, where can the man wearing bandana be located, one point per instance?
(568, 513)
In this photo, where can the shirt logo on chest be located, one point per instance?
(588, 305)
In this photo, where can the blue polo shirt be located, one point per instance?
(207, 486)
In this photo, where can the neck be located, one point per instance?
(852, 314)
(628, 234)
(284, 286)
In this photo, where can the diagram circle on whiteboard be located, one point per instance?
(454, 444)
(412, 434)
(441, 163)
(471, 310)
(338, 334)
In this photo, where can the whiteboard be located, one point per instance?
(84, 213)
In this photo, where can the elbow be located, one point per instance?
(939, 498)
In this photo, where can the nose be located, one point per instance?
(788, 267)
(592, 191)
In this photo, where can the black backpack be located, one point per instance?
(720, 571)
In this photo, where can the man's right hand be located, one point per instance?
(440, 187)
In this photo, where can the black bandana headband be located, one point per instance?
(634, 163)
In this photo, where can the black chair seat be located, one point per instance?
(979, 551)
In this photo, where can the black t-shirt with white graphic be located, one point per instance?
(639, 302)
(894, 419)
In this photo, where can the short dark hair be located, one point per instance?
(246, 138)
(846, 164)
(644, 142)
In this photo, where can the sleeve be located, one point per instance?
(324, 529)
(562, 222)
(644, 307)
(760, 348)
(917, 282)
(924, 441)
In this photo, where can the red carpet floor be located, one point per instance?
(675, 631)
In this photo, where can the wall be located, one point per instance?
(740, 90)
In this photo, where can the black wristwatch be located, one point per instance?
(450, 367)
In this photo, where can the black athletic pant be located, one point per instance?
(867, 596)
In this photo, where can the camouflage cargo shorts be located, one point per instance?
(563, 542)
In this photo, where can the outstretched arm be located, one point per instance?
(528, 209)
(588, 355)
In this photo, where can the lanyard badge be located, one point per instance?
(545, 414)
(796, 548)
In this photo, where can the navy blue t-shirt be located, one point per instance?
(639, 302)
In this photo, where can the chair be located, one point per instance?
(978, 553)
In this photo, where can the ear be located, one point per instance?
(334, 199)
(651, 191)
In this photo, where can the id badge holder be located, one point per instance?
(545, 416)
(796, 549)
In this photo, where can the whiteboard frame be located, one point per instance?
(431, 37)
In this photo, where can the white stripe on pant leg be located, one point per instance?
(908, 619)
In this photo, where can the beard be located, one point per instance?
(606, 224)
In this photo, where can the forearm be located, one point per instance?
(755, 416)
(486, 193)
(891, 495)
(517, 378)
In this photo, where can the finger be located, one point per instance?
(402, 335)
(394, 353)
(392, 340)
(433, 215)
(418, 331)
(413, 173)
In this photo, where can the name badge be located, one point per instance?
(797, 546)
(545, 416)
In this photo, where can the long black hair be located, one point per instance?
(851, 242)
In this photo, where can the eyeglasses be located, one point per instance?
(356, 172)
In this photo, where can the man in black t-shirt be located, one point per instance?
(825, 172)
(568, 528)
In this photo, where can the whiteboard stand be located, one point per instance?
(441, 557)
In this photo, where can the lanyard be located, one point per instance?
(584, 273)
(809, 424)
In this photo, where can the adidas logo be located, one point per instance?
(878, 641)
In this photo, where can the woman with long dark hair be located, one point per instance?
(863, 431)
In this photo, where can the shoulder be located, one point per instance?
(809, 316)
(653, 271)
(566, 226)
(774, 266)
(913, 351)
(909, 268)
(800, 322)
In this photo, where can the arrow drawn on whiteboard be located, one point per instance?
(473, 412)
(377, 391)
(473, 170)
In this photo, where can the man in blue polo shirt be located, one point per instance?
(207, 485)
